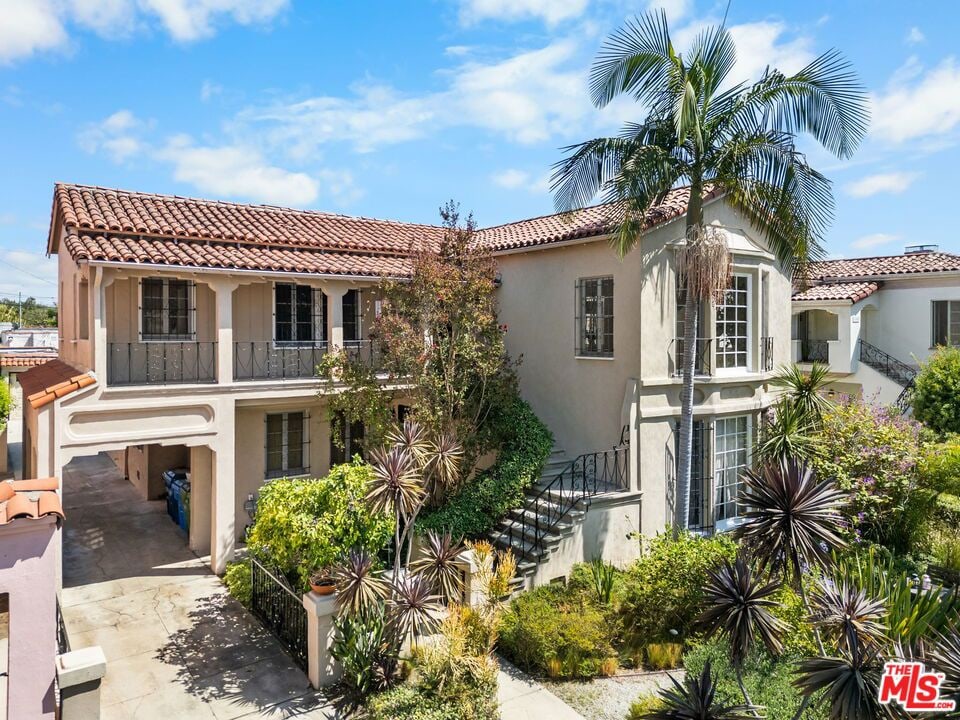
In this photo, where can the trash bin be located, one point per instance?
(177, 483)
(183, 506)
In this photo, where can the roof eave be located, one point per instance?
(158, 267)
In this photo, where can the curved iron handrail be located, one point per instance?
(885, 363)
(586, 476)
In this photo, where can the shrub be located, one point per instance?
(643, 705)
(552, 631)
(799, 639)
(664, 656)
(663, 590)
(481, 502)
(768, 681)
(305, 524)
(239, 582)
(936, 391)
(945, 550)
(6, 403)
(873, 454)
(410, 702)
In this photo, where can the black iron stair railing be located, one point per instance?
(586, 476)
(886, 364)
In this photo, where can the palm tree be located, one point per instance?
(737, 140)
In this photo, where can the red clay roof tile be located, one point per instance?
(906, 264)
(30, 499)
(45, 383)
(853, 291)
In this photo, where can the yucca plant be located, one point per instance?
(438, 563)
(945, 657)
(603, 575)
(806, 390)
(850, 684)
(788, 434)
(848, 615)
(696, 699)
(738, 607)
(792, 518)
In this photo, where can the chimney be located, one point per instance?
(920, 249)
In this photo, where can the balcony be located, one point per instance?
(161, 363)
(269, 360)
(811, 351)
(702, 361)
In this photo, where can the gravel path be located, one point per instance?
(610, 698)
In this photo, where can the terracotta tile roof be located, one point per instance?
(108, 225)
(242, 256)
(588, 222)
(54, 379)
(30, 499)
(36, 356)
(908, 264)
(854, 292)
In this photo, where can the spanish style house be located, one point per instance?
(190, 331)
(873, 320)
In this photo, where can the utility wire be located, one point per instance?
(27, 272)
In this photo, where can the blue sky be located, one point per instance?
(388, 109)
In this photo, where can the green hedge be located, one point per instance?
(410, 702)
(480, 504)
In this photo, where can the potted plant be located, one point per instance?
(322, 582)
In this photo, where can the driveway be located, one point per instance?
(177, 645)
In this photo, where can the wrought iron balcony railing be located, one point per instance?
(766, 354)
(161, 363)
(815, 351)
(702, 361)
(269, 360)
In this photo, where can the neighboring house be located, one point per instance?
(192, 328)
(873, 320)
(39, 337)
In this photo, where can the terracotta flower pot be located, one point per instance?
(324, 587)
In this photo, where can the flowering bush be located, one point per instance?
(873, 453)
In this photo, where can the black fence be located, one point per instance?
(161, 363)
(702, 361)
(766, 354)
(280, 608)
(266, 360)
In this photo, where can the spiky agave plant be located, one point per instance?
(738, 607)
(696, 699)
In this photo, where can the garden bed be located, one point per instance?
(610, 698)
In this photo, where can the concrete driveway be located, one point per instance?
(177, 645)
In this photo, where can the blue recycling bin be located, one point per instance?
(183, 506)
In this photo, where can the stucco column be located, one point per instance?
(79, 674)
(630, 417)
(846, 345)
(224, 293)
(224, 531)
(322, 669)
(100, 357)
(201, 499)
(335, 293)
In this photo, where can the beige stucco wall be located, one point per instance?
(76, 344)
(584, 400)
(123, 311)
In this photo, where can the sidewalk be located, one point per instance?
(522, 698)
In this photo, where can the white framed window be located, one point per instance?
(595, 317)
(299, 315)
(945, 322)
(287, 444)
(167, 309)
(731, 457)
(733, 329)
(352, 316)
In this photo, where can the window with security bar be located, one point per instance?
(352, 316)
(595, 317)
(946, 323)
(699, 517)
(731, 457)
(299, 315)
(167, 309)
(288, 444)
(349, 443)
(733, 325)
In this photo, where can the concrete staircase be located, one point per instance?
(554, 507)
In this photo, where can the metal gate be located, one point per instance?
(280, 608)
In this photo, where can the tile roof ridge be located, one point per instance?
(234, 203)
(934, 253)
(548, 215)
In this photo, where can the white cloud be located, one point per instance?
(41, 282)
(210, 89)
(234, 171)
(188, 20)
(29, 26)
(550, 11)
(529, 97)
(874, 240)
(511, 178)
(761, 44)
(918, 104)
(894, 182)
(119, 136)
(915, 36)
(675, 9)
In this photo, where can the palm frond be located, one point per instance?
(788, 434)
(806, 389)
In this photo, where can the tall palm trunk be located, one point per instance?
(691, 313)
